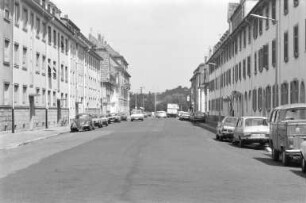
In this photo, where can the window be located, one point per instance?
(24, 95)
(268, 98)
(7, 9)
(244, 37)
(24, 58)
(17, 13)
(25, 18)
(260, 99)
(296, 41)
(302, 93)
(66, 74)
(275, 96)
(244, 69)
(286, 10)
(43, 67)
(32, 20)
(249, 34)
(37, 27)
(6, 94)
(239, 70)
(6, 53)
(260, 24)
(236, 73)
(295, 3)
(267, 15)
(240, 40)
(54, 98)
(49, 35)
(37, 98)
(62, 44)
(54, 38)
(255, 63)
(66, 46)
(62, 72)
(43, 97)
(260, 60)
(294, 92)
(274, 10)
(49, 98)
(37, 62)
(254, 100)
(249, 66)
(16, 94)
(54, 70)
(16, 55)
(274, 53)
(284, 93)
(286, 46)
(44, 31)
(266, 56)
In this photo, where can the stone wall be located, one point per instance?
(5, 119)
(22, 118)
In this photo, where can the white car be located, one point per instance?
(137, 115)
(251, 129)
(303, 151)
(161, 114)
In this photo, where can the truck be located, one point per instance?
(172, 110)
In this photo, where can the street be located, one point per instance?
(158, 160)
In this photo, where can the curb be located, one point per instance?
(13, 146)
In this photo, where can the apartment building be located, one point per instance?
(199, 90)
(6, 63)
(49, 71)
(259, 62)
(114, 76)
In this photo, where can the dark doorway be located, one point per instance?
(59, 111)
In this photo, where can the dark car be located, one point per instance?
(104, 119)
(123, 116)
(81, 122)
(198, 117)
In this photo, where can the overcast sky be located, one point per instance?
(163, 40)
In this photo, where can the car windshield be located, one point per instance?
(136, 112)
(82, 116)
(256, 122)
(295, 114)
(230, 121)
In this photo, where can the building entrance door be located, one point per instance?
(32, 111)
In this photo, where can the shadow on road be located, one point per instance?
(249, 146)
(268, 161)
(299, 173)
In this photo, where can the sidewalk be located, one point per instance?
(13, 140)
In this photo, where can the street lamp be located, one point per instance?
(214, 64)
(276, 95)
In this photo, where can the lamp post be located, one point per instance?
(276, 95)
(214, 65)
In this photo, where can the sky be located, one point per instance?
(163, 41)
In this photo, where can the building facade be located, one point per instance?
(259, 63)
(49, 70)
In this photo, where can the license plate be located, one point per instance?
(256, 136)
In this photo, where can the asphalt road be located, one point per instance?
(158, 160)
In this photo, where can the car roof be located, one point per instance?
(289, 106)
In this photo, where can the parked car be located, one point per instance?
(104, 119)
(225, 128)
(82, 122)
(97, 121)
(137, 115)
(198, 117)
(184, 116)
(123, 116)
(114, 118)
(251, 129)
(288, 131)
(303, 152)
(161, 114)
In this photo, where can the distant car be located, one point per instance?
(97, 121)
(104, 119)
(251, 129)
(198, 117)
(184, 116)
(82, 122)
(137, 115)
(303, 152)
(114, 118)
(161, 114)
(123, 116)
(225, 128)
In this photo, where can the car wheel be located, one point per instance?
(240, 143)
(217, 137)
(303, 165)
(285, 158)
(275, 154)
(132, 120)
